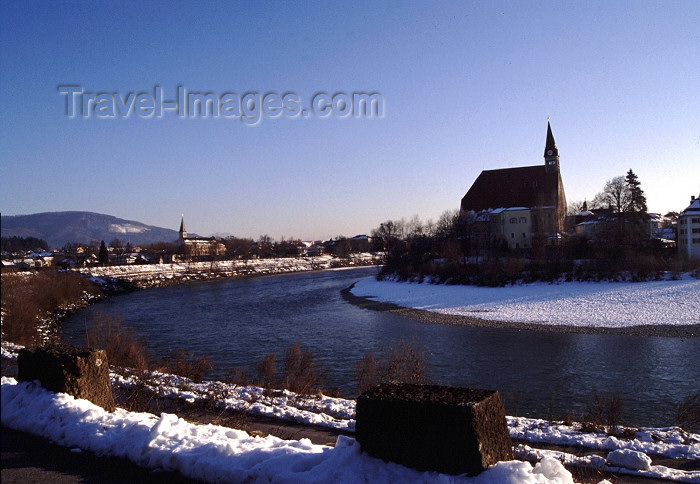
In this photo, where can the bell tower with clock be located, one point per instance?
(551, 153)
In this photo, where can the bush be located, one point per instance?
(404, 362)
(27, 298)
(267, 371)
(122, 345)
(688, 413)
(603, 411)
(181, 363)
(300, 372)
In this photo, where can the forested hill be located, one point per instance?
(59, 228)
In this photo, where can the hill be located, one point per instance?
(59, 228)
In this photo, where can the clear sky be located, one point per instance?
(466, 86)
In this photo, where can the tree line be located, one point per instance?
(459, 248)
(16, 244)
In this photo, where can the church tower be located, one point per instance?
(183, 230)
(551, 153)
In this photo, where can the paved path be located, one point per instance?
(30, 459)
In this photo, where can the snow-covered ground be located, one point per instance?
(599, 304)
(219, 454)
(213, 453)
(151, 275)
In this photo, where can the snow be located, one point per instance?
(153, 275)
(209, 452)
(598, 304)
(218, 454)
(669, 442)
(629, 459)
(127, 228)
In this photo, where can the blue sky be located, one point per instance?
(467, 86)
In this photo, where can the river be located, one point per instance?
(238, 321)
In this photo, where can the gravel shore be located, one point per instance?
(666, 331)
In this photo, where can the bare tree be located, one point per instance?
(616, 195)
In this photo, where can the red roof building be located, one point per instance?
(538, 188)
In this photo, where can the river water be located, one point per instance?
(238, 321)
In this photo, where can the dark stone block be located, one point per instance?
(434, 428)
(79, 372)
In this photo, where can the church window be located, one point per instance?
(512, 235)
(523, 220)
(513, 220)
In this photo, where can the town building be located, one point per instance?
(198, 247)
(526, 203)
(688, 240)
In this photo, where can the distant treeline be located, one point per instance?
(21, 244)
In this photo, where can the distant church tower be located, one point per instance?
(551, 153)
(183, 230)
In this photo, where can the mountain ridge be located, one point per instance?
(59, 228)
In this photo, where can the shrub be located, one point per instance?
(267, 370)
(404, 362)
(20, 316)
(688, 413)
(122, 345)
(301, 373)
(29, 297)
(602, 411)
(181, 363)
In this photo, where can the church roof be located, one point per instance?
(526, 186)
(550, 144)
(182, 225)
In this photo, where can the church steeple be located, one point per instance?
(183, 230)
(551, 153)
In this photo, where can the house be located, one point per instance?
(688, 240)
(536, 191)
(197, 247)
(512, 226)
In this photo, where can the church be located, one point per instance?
(198, 247)
(522, 204)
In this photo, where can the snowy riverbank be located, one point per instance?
(156, 275)
(213, 453)
(611, 305)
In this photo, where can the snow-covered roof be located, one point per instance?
(693, 208)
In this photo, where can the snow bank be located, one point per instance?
(629, 459)
(599, 304)
(214, 454)
(671, 442)
(153, 275)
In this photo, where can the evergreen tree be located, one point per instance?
(103, 255)
(637, 199)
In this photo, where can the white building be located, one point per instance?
(513, 226)
(689, 230)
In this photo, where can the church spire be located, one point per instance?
(183, 230)
(551, 153)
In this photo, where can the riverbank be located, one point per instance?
(190, 429)
(523, 305)
(160, 275)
